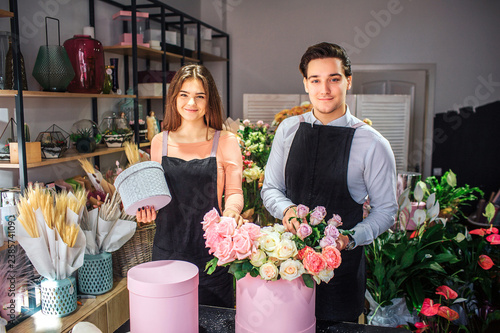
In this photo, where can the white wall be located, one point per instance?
(269, 36)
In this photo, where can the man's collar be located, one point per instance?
(343, 121)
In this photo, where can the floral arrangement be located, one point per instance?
(295, 111)
(255, 142)
(273, 253)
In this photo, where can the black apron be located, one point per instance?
(179, 233)
(316, 175)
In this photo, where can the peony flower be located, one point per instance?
(327, 241)
(301, 254)
(285, 249)
(326, 275)
(332, 231)
(269, 241)
(304, 230)
(210, 218)
(226, 226)
(242, 244)
(447, 292)
(302, 211)
(224, 251)
(314, 262)
(494, 239)
(332, 257)
(429, 309)
(485, 262)
(258, 258)
(268, 271)
(317, 215)
(336, 220)
(447, 313)
(291, 269)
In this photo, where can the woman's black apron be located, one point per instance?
(316, 175)
(179, 233)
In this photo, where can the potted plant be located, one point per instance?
(85, 135)
(53, 142)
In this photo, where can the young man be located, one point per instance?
(329, 158)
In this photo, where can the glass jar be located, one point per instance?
(87, 57)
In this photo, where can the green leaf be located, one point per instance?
(211, 265)
(308, 280)
(436, 267)
(235, 266)
(247, 266)
(408, 256)
(379, 272)
(489, 212)
(254, 272)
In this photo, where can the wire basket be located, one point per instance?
(95, 277)
(137, 250)
(58, 296)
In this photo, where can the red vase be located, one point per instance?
(87, 57)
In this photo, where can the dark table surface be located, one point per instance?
(221, 320)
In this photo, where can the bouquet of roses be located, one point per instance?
(271, 251)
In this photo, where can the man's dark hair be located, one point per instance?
(325, 50)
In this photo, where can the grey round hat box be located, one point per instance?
(143, 184)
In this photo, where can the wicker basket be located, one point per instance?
(136, 251)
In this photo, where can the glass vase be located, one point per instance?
(87, 57)
(108, 80)
(10, 83)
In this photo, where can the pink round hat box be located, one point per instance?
(163, 297)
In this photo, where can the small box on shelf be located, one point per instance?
(33, 152)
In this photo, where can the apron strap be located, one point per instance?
(301, 117)
(358, 125)
(165, 143)
(215, 144)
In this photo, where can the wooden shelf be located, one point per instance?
(146, 53)
(70, 155)
(5, 13)
(38, 94)
(211, 57)
(150, 97)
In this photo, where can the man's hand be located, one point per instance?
(290, 220)
(146, 214)
(237, 217)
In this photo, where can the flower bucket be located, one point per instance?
(163, 297)
(58, 296)
(143, 184)
(390, 315)
(95, 277)
(274, 306)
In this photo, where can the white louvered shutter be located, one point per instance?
(265, 106)
(390, 115)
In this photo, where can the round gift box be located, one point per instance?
(143, 184)
(58, 296)
(95, 277)
(163, 297)
(274, 306)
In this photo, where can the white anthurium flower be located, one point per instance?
(419, 191)
(459, 237)
(404, 197)
(451, 179)
(419, 217)
(433, 212)
(431, 200)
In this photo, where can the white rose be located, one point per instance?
(326, 275)
(258, 258)
(286, 235)
(267, 229)
(268, 271)
(291, 269)
(279, 228)
(285, 249)
(269, 241)
(252, 174)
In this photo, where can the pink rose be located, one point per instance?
(332, 257)
(314, 262)
(212, 239)
(302, 211)
(242, 244)
(224, 251)
(304, 230)
(327, 241)
(336, 220)
(210, 218)
(317, 215)
(246, 122)
(260, 123)
(226, 226)
(332, 231)
(253, 230)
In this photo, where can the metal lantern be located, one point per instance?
(53, 141)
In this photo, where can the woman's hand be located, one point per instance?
(342, 242)
(237, 217)
(290, 220)
(146, 214)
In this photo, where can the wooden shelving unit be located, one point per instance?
(48, 94)
(146, 53)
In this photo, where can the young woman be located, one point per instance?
(201, 163)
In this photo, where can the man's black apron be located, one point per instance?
(316, 175)
(179, 233)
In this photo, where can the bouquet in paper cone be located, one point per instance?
(271, 251)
